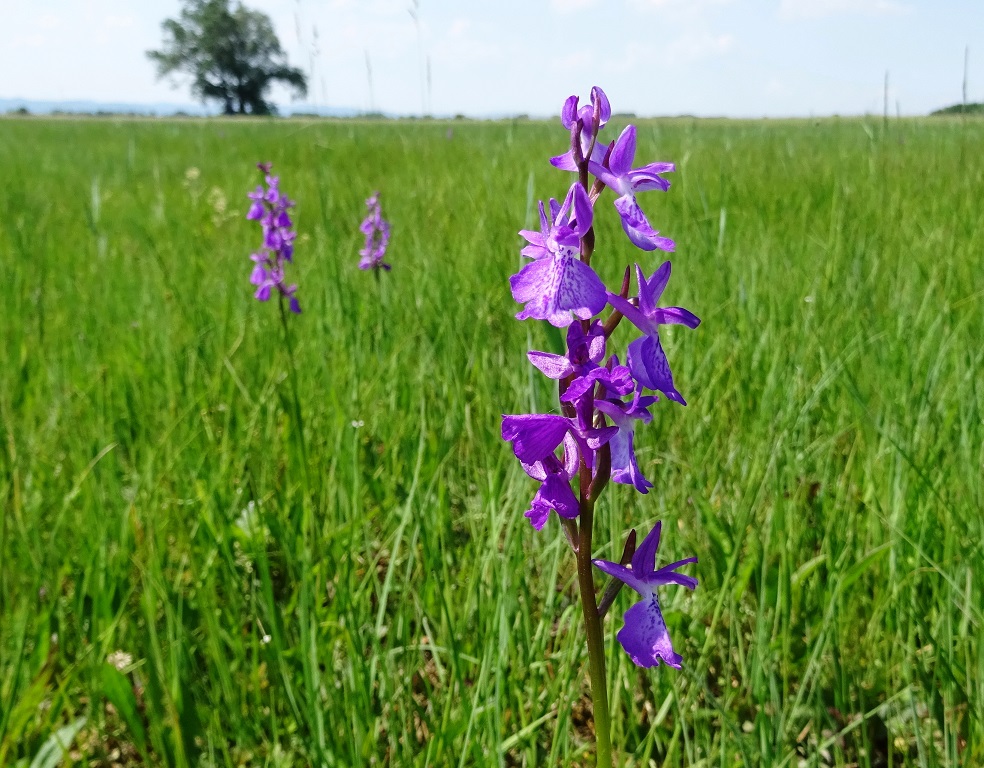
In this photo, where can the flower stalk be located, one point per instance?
(601, 400)
(595, 638)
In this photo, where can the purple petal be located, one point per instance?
(534, 238)
(595, 438)
(645, 638)
(534, 436)
(600, 102)
(620, 381)
(603, 175)
(675, 316)
(652, 289)
(596, 343)
(582, 209)
(258, 276)
(534, 252)
(554, 207)
(568, 114)
(641, 181)
(649, 365)
(623, 574)
(644, 559)
(538, 469)
(666, 575)
(553, 288)
(572, 457)
(557, 494)
(552, 366)
(623, 153)
(625, 469)
(537, 513)
(647, 178)
(637, 227)
(632, 313)
(564, 162)
(582, 384)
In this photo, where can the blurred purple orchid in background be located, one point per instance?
(270, 207)
(377, 232)
(644, 636)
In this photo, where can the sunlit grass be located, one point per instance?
(393, 606)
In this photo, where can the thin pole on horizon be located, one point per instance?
(414, 12)
(963, 104)
(315, 50)
(885, 113)
(372, 100)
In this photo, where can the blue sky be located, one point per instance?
(742, 58)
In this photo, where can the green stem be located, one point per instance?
(292, 376)
(596, 637)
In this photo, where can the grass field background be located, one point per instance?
(178, 587)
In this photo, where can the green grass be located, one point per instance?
(390, 605)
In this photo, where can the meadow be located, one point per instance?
(191, 575)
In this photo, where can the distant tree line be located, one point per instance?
(975, 108)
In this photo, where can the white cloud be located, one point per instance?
(816, 9)
(576, 61)
(633, 55)
(49, 20)
(691, 48)
(775, 86)
(119, 21)
(690, 6)
(569, 6)
(33, 40)
(460, 45)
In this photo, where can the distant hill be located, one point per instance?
(161, 109)
(961, 109)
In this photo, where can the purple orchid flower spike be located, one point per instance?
(557, 283)
(377, 232)
(269, 207)
(644, 636)
(575, 453)
(627, 181)
(646, 358)
(599, 112)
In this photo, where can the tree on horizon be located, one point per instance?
(232, 55)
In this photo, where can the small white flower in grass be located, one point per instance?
(120, 659)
